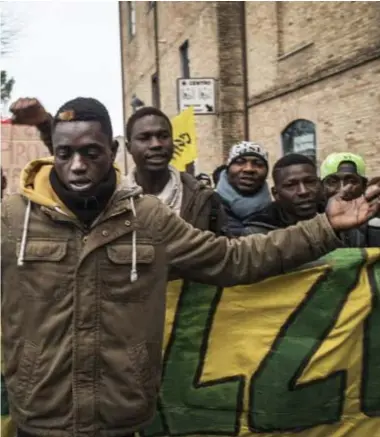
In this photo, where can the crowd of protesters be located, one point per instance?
(242, 202)
(87, 252)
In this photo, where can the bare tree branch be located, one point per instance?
(8, 35)
(8, 32)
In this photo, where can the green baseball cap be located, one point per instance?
(331, 164)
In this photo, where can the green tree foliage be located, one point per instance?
(6, 86)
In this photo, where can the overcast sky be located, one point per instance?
(64, 50)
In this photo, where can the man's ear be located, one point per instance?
(274, 193)
(114, 148)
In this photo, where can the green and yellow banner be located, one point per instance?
(297, 355)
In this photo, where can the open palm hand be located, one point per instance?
(346, 214)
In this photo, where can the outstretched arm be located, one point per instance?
(226, 262)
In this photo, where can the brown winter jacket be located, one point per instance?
(83, 313)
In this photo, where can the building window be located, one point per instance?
(131, 18)
(185, 62)
(155, 91)
(299, 137)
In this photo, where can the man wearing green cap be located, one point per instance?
(339, 170)
(348, 170)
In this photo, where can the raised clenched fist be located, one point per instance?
(28, 111)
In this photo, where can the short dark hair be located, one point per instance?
(85, 109)
(291, 159)
(143, 112)
(216, 173)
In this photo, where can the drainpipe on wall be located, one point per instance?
(244, 69)
(157, 53)
(122, 39)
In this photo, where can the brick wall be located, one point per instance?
(313, 60)
(292, 43)
(345, 109)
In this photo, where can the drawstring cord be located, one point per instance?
(134, 275)
(20, 259)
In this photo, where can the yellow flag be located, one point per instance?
(185, 140)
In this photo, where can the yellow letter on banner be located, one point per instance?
(185, 141)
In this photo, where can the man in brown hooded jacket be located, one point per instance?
(85, 261)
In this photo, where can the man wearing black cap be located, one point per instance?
(85, 262)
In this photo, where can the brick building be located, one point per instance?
(293, 76)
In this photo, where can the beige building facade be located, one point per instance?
(292, 76)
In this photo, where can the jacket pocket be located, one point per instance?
(46, 250)
(142, 368)
(116, 274)
(129, 389)
(44, 275)
(24, 379)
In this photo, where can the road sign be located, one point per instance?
(200, 93)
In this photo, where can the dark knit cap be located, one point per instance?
(85, 109)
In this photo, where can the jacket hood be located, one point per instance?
(35, 184)
(191, 182)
